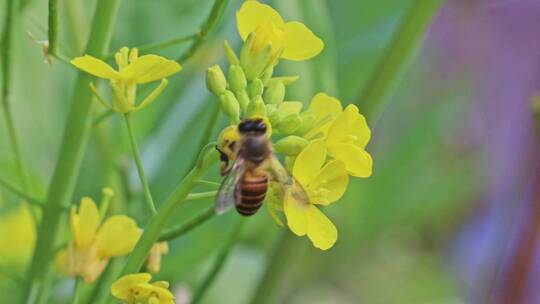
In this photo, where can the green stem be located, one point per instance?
(219, 263)
(101, 291)
(67, 168)
(147, 48)
(201, 195)
(6, 84)
(53, 26)
(142, 176)
(178, 231)
(153, 229)
(102, 116)
(76, 291)
(536, 111)
(21, 194)
(398, 56)
(286, 250)
(211, 21)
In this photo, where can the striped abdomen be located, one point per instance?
(251, 192)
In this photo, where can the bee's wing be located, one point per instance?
(286, 183)
(226, 194)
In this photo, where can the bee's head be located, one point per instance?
(255, 126)
(227, 142)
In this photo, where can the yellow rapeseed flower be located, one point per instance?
(93, 242)
(132, 70)
(324, 183)
(293, 40)
(346, 133)
(137, 289)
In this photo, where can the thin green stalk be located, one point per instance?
(398, 56)
(165, 44)
(142, 176)
(218, 263)
(211, 21)
(102, 289)
(536, 111)
(67, 168)
(30, 199)
(102, 116)
(6, 84)
(209, 130)
(208, 183)
(178, 231)
(53, 26)
(76, 291)
(153, 229)
(201, 195)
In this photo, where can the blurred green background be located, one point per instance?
(395, 228)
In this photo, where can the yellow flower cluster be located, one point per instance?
(137, 289)
(323, 145)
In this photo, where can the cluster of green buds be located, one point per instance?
(251, 90)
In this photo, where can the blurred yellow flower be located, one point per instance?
(153, 261)
(137, 289)
(324, 183)
(16, 248)
(93, 242)
(132, 70)
(291, 40)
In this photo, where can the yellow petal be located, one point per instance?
(117, 236)
(323, 105)
(296, 213)
(95, 66)
(300, 43)
(120, 288)
(252, 14)
(330, 184)
(150, 68)
(309, 162)
(357, 161)
(321, 231)
(349, 127)
(88, 223)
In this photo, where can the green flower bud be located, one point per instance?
(275, 92)
(255, 60)
(307, 122)
(237, 78)
(273, 114)
(229, 105)
(231, 55)
(289, 124)
(291, 145)
(255, 88)
(256, 108)
(267, 74)
(215, 80)
(243, 99)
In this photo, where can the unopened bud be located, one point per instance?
(255, 88)
(243, 99)
(237, 78)
(267, 74)
(256, 108)
(291, 145)
(229, 105)
(307, 121)
(275, 92)
(215, 80)
(231, 55)
(289, 124)
(273, 114)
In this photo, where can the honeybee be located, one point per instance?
(254, 165)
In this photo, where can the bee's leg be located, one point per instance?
(224, 166)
